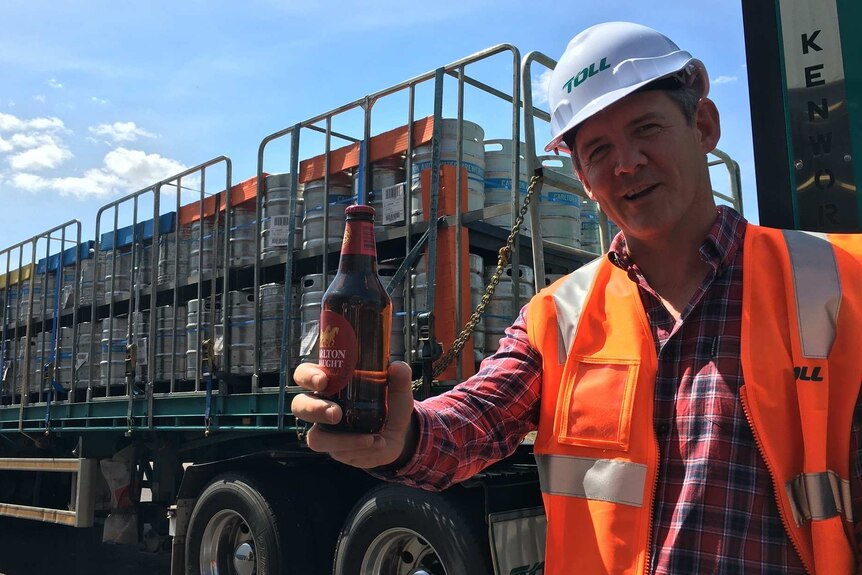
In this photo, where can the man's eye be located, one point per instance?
(597, 153)
(648, 129)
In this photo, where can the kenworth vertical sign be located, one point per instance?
(807, 172)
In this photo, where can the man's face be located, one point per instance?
(645, 165)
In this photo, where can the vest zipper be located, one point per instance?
(649, 548)
(769, 468)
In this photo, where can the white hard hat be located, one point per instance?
(608, 61)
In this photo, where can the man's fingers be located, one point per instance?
(310, 376)
(309, 407)
(329, 442)
(373, 456)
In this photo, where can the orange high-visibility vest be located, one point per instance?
(802, 367)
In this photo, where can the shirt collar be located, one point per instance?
(717, 249)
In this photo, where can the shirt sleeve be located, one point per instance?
(479, 421)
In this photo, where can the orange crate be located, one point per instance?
(242, 192)
(380, 146)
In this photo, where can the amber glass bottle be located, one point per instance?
(355, 325)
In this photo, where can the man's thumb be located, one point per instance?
(400, 378)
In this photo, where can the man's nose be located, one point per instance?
(630, 157)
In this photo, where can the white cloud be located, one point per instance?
(40, 98)
(44, 157)
(540, 86)
(123, 171)
(32, 140)
(121, 131)
(54, 83)
(99, 101)
(10, 123)
(34, 144)
(724, 80)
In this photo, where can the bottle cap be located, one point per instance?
(359, 210)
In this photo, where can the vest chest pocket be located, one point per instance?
(594, 407)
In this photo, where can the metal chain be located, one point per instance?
(502, 262)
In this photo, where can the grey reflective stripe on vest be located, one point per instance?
(569, 301)
(819, 496)
(818, 290)
(597, 479)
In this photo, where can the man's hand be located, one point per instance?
(359, 450)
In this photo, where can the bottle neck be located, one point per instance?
(358, 250)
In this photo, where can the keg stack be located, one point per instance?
(141, 336)
(43, 352)
(92, 268)
(118, 275)
(272, 326)
(312, 287)
(275, 221)
(112, 364)
(171, 345)
(87, 366)
(590, 240)
(196, 324)
(23, 369)
(241, 237)
(70, 286)
(143, 266)
(174, 248)
(386, 174)
(477, 290)
(202, 248)
(11, 301)
(64, 361)
(340, 196)
(498, 181)
(44, 295)
(498, 315)
(419, 289)
(8, 362)
(559, 210)
(473, 147)
(240, 323)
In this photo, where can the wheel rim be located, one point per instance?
(227, 546)
(401, 551)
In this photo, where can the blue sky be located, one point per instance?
(99, 99)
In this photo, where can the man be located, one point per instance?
(693, 390)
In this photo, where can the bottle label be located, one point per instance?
(338, 350)
(359, 239)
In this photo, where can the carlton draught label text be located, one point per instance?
(337, 350)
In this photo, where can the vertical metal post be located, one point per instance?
(225, 312)
(459, 198)
(176, 293)
(286, 356)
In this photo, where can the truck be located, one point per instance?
(147, 372)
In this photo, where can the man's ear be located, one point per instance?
(708, 125)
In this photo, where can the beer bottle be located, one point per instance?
(355, 324)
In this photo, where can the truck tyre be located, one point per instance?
(397, 530)
(235, 529)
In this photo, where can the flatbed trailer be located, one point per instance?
(205, 458)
